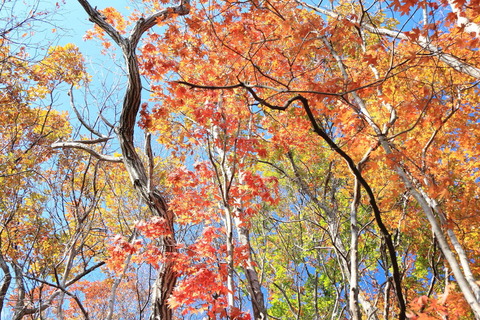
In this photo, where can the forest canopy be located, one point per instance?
(248, 160)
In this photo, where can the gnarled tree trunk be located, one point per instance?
(141, 180)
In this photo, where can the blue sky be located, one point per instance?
(107, 79)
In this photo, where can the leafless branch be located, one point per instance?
(80, 117)
(84, 146)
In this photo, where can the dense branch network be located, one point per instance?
(351, 164)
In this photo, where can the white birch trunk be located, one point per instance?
(225, 175)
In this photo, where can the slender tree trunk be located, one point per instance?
(349, 268)
(353, 297)
(463, 283)
(230, 257)
(254, 287)
(226, 174)
(7, 279)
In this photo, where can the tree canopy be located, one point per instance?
(264, 160)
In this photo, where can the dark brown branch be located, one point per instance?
(198, 86)
(292, 91)
(356, 172)
(144, 24)
(397, 278)
(151, 164)
(84, 273)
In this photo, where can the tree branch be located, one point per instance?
(80, 118)
(421, 41)
(83, 146)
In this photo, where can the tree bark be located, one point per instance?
(254, 287)
(226, 174)
(7, 279)
(156, 202)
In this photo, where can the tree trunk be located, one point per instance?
(233, 217)
(254, 287)
(156, 202)
(7, 279)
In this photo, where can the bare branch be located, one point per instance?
(94, 141)
(106, 121)
(80, 117)
(99, 19)
(85, 147)
(62, 289)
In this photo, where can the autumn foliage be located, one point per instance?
(266, 159)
